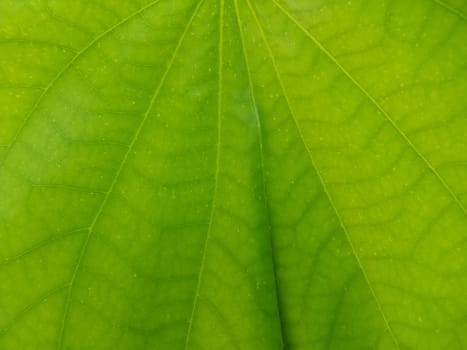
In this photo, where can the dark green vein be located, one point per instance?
(117, 175)
(64, 70)
(330, 336)
(264, 189)
(38, 42)
(216, 178)
(374, 102)
(31, 306)
(451, 9)
(318, 173)
(44, 243)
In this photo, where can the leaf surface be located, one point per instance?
(233, 174)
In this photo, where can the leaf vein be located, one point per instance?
(117, 175)
(264, 189)
(451, 9)
(322, 182)
(67, 66)
(216, 179)
(374, 102)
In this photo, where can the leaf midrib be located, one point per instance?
(264, 186)
(322, 182)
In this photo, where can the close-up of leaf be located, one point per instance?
(233, 174)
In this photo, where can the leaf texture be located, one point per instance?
(233, 174)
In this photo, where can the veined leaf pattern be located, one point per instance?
(233, 174)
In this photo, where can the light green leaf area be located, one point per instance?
(233, 174)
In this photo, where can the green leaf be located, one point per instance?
(233, 174)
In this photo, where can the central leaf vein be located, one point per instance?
(322, 182)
